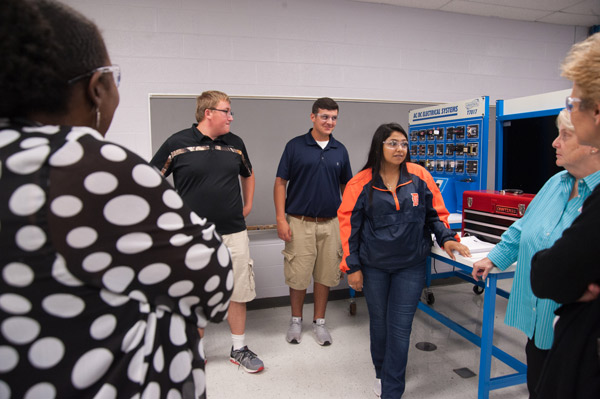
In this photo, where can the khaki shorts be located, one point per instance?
(314, 251)
(243, 273)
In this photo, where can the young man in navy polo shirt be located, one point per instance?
(208, 162)
(311, 176)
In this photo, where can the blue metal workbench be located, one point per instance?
(465, 267)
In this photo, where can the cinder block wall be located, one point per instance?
(313, 48)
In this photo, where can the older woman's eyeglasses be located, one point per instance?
(393, 144)
(570, 101)
(114, 69)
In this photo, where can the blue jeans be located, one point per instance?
(392, 298)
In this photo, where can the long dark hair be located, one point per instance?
(43, 44)
(376, 151)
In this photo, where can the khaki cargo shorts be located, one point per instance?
(243, 266)
(314, 251)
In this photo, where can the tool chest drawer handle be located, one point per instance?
(513, 191)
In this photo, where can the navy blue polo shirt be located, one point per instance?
(314, 176)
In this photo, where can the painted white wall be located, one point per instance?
(313, 48)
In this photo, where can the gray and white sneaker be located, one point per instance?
(246, 359)
(294, 333)
(321, 334)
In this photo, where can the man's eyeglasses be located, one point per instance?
(325, 118)
(570, 101)
(228, 112)
(393, 144)
(114, 69)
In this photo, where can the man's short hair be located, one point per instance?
(581, 66)
(209, 99)
(324, 103)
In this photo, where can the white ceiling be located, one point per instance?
(562, 12)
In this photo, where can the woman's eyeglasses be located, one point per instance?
(114, 69)
(570, 101)
(393, 144)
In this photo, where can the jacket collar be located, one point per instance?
(405, 178)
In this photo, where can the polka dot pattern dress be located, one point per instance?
(105, 274)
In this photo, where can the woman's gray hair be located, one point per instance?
(564, 120)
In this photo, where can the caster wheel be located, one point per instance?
(477, 290)
(430, 298)
(352, 308)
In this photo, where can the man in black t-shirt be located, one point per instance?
(207, 162)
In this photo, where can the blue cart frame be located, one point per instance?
(486, 382)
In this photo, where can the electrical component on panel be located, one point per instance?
(430, 165)
(473, 132)
(439, 166)
(430, 135)
(430, 150)
(439, 150)
(472, 167)
(472, 149)
(438, 132)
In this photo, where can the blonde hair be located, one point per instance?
(209, 99)
(582, 67)
(564, 120)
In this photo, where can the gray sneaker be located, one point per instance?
(294, 333)
(246, 359)
(321, 334)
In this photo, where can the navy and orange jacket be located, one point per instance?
(391, 230)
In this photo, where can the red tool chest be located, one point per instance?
(487, 214)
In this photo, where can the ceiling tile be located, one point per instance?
(571, 19)
(563, 12)
(487, 10)
(548, 5)
(587, 7)
(427, 4)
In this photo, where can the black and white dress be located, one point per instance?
(105, 274)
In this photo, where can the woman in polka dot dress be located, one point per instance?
(105, 274)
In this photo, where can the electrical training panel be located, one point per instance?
(450, 141)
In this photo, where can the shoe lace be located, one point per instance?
(321, 327)
(247, 354)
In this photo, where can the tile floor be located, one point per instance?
(344, 369)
